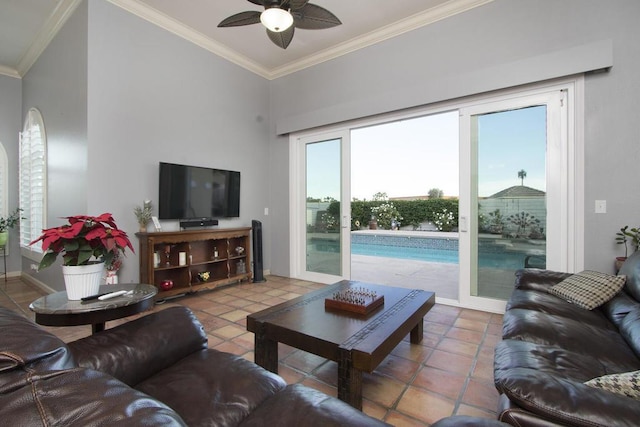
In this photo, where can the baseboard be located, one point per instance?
(37, 283)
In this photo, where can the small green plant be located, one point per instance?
(10, 221)
(496, 222)
(625, 235)
(144, 213)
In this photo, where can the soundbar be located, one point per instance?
(198, 222)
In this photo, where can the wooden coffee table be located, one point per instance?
(358, 343)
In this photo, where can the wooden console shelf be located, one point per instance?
(181, 256)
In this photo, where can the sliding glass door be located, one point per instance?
(513, 193)
(324, 231)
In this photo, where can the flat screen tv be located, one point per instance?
(192, 192)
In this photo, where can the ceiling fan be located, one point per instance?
(281, 17)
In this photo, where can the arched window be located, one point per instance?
(33, 181)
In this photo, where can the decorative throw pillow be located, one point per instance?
(588, 289)
(627, 383)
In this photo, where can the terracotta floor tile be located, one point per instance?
(380, 389)
(458, 347)
(417, 353)
(235, 315)
(450, 362)
(425, 406)
(442, 382)
(471, 324)
(398, 419)
(481, 394)
(481, 316)
(398, 368)
(291, 376)
(483, 369)
(465, 335)
(303, 361)
(227, 332)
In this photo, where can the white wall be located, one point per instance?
(10, 125)
(57, 85)
(155, 97)
(482, 49)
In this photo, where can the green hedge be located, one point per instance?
(413, 212)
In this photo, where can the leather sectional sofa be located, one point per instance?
(153, 371)
(552, 347)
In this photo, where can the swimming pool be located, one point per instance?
(427, 249)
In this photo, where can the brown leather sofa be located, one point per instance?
(153, 371)
(550, 348)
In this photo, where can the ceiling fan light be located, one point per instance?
(276, 19)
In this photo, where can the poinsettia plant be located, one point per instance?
(83, 240)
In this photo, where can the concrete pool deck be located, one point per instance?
(441, 278)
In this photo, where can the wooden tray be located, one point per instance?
(330, 303)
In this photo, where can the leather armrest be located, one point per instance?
(135, 350)
(538, 280)
(565, 402)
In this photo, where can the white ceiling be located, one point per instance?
(27, 26)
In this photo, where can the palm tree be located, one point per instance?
(522, 174)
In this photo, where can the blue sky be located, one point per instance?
(409, 157)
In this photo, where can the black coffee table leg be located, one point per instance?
(97, 327)
(266, 353)
(417, 332)
(349, 381)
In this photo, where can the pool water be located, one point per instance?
(504, 260)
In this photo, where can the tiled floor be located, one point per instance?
(450, 372)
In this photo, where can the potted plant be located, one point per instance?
(87, 243)
(143, 214)
(7, 223)
(622, 238)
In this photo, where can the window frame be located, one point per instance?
(32, 224)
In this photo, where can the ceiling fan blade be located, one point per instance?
(258, 2)
(283, 38)
(312, 17)
(297, 4)
(242, 18)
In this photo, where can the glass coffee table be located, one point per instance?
(56, 310)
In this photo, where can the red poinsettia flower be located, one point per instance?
(85, 239)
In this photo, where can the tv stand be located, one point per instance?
(181, 257)
(197, 222)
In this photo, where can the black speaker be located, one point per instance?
(258, 274)
(198, 222)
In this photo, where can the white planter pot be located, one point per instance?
(82, 280)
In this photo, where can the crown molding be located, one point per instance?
(411, 23)
(52, 25)
(8, 71)
(435, 14)
(174, 26)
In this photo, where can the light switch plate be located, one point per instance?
(601, 206)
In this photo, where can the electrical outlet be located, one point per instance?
(601, 206)
(266, 211)
(34, 267)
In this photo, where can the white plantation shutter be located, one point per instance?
(33, 180)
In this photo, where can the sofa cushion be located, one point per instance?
(544, 302)
(79, 397)
(572, 336)
(626, 383)
(210, 388)
(298, 405)
(588, 289)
